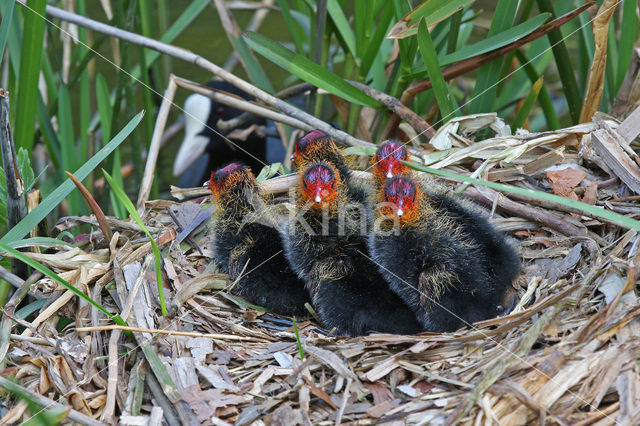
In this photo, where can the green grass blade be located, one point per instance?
(41, 415)
(373, 48)
(50, 202)
(251, 65)
(39, 242)
(543, 97)
(484, 92)
(49, 135)
(126, 202)
(6, 24)
(67, 144)
(105, 111)
(430, 58)
(342, 25)
(298, 341)
(104, 106)
(565, 69)
(454, 31)
(520, 119)
(30, 59)
(295, 31)
(496, 41)
(628, 37)
(49, 273)
(307, 70)
(588, 209)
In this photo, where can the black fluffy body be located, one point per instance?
(451, 267)
(248, 245)
(347, 291)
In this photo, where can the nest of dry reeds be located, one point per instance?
(567, 354)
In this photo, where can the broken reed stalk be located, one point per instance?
(198, 60)
(168, 332)
(16, 202)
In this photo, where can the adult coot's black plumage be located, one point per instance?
(205, 148)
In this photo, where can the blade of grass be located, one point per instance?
(39, 242)
(588, 209)
(430, 58)
(67, 144)
(454, 30)
(565, 69)
(6, 23)
(295, 330)
(105, 111)
(126, 202)
(30, 59)
(307, 70)
(49, 273)
(41, 414)
(297, 35)
(484, 92)
(545, 100)
(50, 202)
(373, 47)
(628, 37)
(342, 25)
(521, 118)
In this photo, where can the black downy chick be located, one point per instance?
(247, 244)
(325, 244)
(501, 260)
(445, 261)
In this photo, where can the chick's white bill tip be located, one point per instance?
(318, 199)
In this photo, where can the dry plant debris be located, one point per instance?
(567, 353)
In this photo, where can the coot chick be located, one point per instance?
(247, 244)
(325, 244)
(445, 261)
(319, 146)
(502, 261)
(387, 162)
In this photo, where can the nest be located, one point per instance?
(567, 353)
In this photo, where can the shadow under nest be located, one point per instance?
(566, 353)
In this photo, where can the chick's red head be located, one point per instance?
(401, 198)
(320, 184)
(228, 177)
(388, 160)
(312, 146)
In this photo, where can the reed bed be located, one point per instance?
(567, 353)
